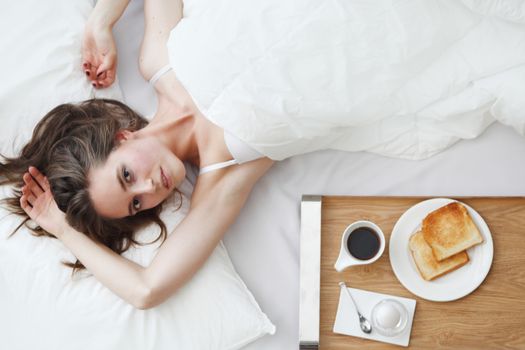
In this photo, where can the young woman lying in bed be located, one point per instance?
(386, 88)
(96, 171)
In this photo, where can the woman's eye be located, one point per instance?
(136, 204)
(127, 175)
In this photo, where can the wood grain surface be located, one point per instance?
(491, 317)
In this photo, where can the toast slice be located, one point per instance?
(450, 230)
(429, 268)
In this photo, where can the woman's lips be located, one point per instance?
(165, 179)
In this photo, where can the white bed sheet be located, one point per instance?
(264, 241)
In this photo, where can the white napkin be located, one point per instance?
(347, 321)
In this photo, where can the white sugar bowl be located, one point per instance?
(389, 317)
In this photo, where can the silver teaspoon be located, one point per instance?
(366, 327)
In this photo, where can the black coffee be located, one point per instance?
(363, 243)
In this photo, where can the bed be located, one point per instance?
(264, 241)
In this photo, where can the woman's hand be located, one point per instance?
(39, 204)
(99, 55)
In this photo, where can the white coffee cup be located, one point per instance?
(346, 259)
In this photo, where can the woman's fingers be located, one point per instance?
(86, 67)
(103, 67)
(31, 199)
(108, 64)
(92, 73)
(106, 71)
(25, 191)
(108, 79)
(101, 76)
(32, 185)
(26, 206)
(29, 196)
(100, 80)
(40, 178)
(90, 70)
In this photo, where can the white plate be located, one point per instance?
(453, 285)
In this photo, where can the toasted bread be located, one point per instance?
(429, 268)
(450, 230)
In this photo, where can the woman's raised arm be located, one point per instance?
(180, 256)
(160, 17)
(99, 53)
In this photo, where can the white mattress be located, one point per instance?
(264, 241)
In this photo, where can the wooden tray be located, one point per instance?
(491, 317)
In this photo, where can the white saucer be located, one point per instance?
(453, 285)
(347, 321)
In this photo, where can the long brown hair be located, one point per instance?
(66, 143)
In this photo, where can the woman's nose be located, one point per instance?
(146, 186)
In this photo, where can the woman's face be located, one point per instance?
(139, 174)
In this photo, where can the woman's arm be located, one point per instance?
(107, 12)
(181, 255)
(160, 17)
(99, 53)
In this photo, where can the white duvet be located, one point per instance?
(403, 78)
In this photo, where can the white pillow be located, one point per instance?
(42, 307)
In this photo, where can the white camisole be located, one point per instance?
(239, 149)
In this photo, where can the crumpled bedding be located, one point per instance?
(401, 78)
(263, 243)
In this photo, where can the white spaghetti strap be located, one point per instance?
(159, 74)
(216, 166)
